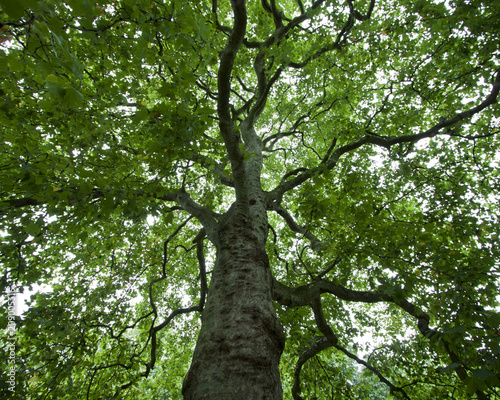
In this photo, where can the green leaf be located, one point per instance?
(451, 367)
(366, 177)
(484, 373)
(14, 8)
(73, 98)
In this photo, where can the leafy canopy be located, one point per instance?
(380, 134)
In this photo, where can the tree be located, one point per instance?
(246, 189)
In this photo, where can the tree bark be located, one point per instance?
(240, 342)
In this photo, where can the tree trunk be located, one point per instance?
(240, 342)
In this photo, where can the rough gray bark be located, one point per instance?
(240, 342)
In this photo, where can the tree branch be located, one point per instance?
(230, 136)
(271, 9)
(341, 36)
(264, 86)
(198, 308)
(203, 215)
(393, 388)
(321, 322)
(330, 340)
(309, 294)
(387, 142)
(319, 345)
(305, 295)
(30, 201)
(316, 243)
(333, 340)
(217, 24)
(181, 197)
(216, 168)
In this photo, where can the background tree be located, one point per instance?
(272, 181)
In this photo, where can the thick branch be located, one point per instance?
(153, 332)
(315, 242)
(217, 24)
(203, 215)
(309, 294)
(180, 197)
(331, 340)
(277, 14)
(304, 295)
(318, 346)
(321, 322)
(215, 167)
(22, 202)
(387, 142)
(391, 386)
(74, 198)
(263, 85)
(323, 326)
(230, 136)
(341, 36)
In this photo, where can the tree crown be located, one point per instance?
(133, 129)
